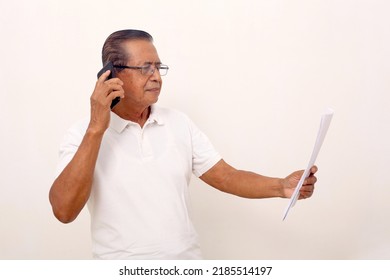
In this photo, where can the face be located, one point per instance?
(141, 90)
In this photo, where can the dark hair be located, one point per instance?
(113, 46)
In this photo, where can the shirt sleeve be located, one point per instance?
(204, 155)
(70, 145)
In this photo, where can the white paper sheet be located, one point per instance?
(325, 122)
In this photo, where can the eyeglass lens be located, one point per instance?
(149, 69)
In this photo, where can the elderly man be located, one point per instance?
(132, 164)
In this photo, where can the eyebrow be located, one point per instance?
(149, 62)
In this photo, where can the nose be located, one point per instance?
(155, 74)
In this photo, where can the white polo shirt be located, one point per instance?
(139, 200)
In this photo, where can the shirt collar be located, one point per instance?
(156, 115)
(118, 124)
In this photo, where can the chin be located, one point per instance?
(154, 99)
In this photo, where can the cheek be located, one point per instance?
(134, 87)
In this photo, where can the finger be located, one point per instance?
(116, 93)
(104, 93)
(104, 76)
(310, 180)
(114, 87)
(306, 193)
(313, 169)
(115, 81)
(307, 189)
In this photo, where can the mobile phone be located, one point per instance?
(110, 67)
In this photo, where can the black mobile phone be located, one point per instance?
(110, 67)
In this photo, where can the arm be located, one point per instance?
(247, 184)
(70, 191)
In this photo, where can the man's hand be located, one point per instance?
(291, 182)
(105, 91)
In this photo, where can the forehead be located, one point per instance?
(141, 51)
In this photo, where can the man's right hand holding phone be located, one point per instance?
(104, 93)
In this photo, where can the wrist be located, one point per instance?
(282, 183)
(95, 131)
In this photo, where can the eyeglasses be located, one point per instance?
(148, 69)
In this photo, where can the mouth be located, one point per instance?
(154, 90)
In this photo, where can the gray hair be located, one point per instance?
(113, 46)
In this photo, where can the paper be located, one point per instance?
(325, 122)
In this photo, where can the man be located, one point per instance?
(133, 164)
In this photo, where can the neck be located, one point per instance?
(139, 116)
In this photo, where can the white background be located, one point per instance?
(254, 75)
